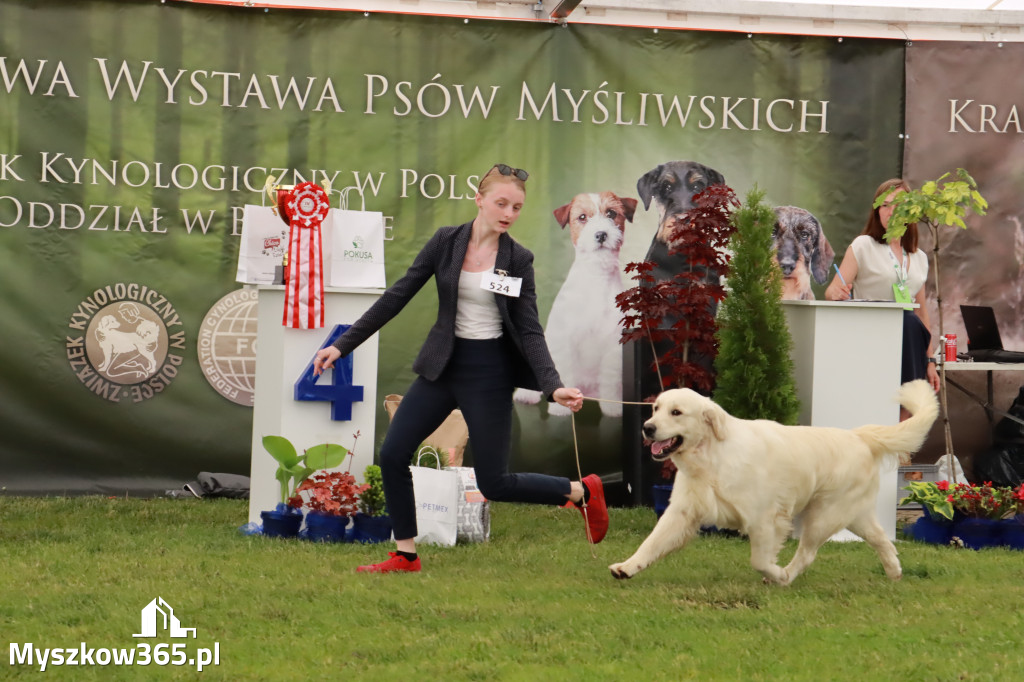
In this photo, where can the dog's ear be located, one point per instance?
(822, 256)
(562, 214)
(628, 207)
(645, 185)
(714, 416)
(713, 176)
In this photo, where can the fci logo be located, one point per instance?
(159, 614)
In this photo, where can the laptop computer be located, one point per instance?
(984, 344)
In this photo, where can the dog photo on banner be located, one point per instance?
(582, 329)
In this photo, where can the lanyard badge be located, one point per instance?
(900, 292)
(499, 282)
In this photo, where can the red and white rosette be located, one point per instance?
(307, 207)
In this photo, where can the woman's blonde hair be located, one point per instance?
(874, 228)
(494, 175)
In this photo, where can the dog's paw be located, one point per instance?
(526, 396)
(620, 572)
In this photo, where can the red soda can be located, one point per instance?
(950, 347)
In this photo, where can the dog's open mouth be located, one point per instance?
(662, 449)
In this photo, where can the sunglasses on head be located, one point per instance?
(509, 170)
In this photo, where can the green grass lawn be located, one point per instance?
(532, 604)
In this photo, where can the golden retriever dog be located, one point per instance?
(756, 476)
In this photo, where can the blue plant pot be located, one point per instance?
(927, 530)
(977, 533)
(939, 518)
(325, 527)
(1011, 533)
(281, 524)
(661, 495)
(370, 529)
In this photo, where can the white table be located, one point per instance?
(988, 368)
(282, 355)
(846, 363)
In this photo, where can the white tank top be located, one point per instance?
(877, 270)
(476, 312)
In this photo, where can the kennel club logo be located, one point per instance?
(227, 346)
(124, 341)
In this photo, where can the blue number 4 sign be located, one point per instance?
(340, 393)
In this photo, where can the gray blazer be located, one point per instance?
(442, 258)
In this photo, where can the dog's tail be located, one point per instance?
(905, 438)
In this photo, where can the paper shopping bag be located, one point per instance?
(357, 253)
(437, 505)
(474, 511)
(263, 245)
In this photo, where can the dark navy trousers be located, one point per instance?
(478, 381)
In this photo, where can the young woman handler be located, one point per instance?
(487, 341)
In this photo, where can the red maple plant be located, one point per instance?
(332, 493)
(681, 311)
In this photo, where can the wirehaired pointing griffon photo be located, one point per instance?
(756, 476)
(582, 329)
(801, 250)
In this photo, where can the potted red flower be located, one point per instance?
(982, 507)
(1013, 527)
(331, 498)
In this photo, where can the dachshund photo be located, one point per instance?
(582, 329)
(801, 250)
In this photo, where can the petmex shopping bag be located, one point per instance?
(437, 505)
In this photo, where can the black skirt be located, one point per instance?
(915, 347)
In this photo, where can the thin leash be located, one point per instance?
(579, 471)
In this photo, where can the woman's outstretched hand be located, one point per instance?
(325, 358)
(569, 397)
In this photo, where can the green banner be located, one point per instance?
(135, 132)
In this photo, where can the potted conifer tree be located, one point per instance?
(753, 367)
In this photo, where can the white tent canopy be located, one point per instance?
(975, 20)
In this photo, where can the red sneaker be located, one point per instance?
(396, 564)
(596, 513)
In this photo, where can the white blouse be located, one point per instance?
(476, 312)
(878, 269)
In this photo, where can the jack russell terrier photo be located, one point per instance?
(583, 329)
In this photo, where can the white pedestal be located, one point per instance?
(282, 355)
(847, 357)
